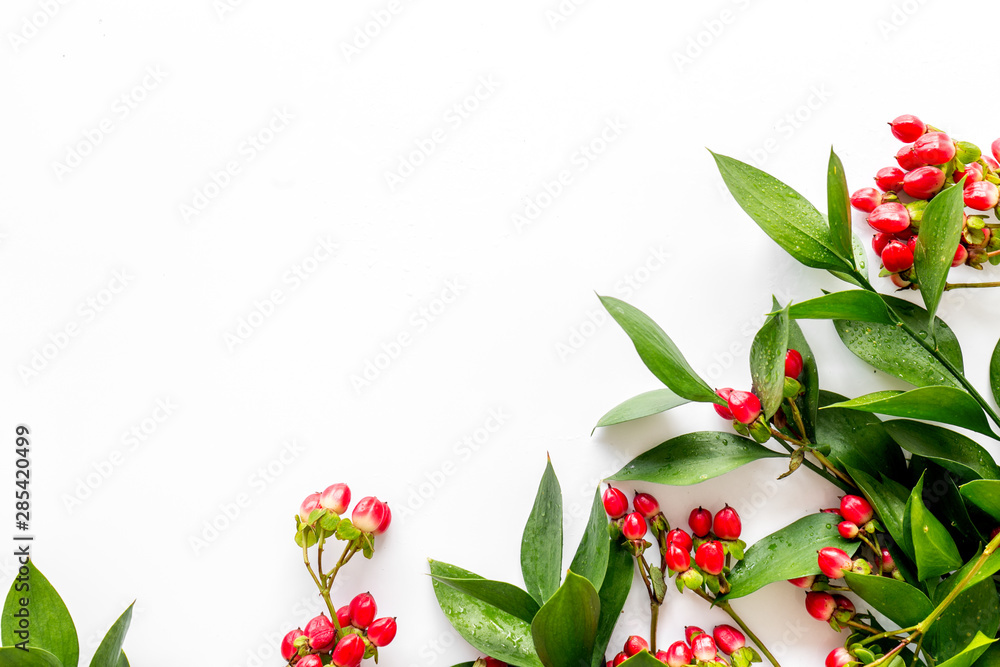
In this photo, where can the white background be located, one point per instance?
(116, 519)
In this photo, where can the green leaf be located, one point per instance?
(995, 373)
(952, 451)
(860, 254)
(934, 549)
(541, 543)
(123, 660)
(693, 458)
(940, 404)
(889, 500)
(34, 657)
(857, 439)
(784, 215)
(110, 651)
(838, 204)
(659, 353)
(975, 610)
(565, 628)
(901, 603)
(991, 658)
(990, 567)
(643, 405)
(984, 494)
(591, 559)
(767, 361)
(940, 232)
(809, 402)
(642, 659)
(52, 627)
(970, 653)
(490, 630)
(505, 597)
(614, 591)
(787, 554)
(857, 305)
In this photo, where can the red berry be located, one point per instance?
(680, 538)
(923, 182)
(897, 256)
(692, 631)
(866, 199)
(336, 498)
(892, 218)
(793, 364)
(615, 503)
(961, 254)
(723, 410)
(995, 148)
(803, 582)
(899, 281)
(831, 510)
(634, 527)
(973, 173)
(386, 520)
(288, 649)
(646, 505)
(321, 633)
(678, 560)
(710, 557)
(493, 662)
(382, 631)
(880, 240)
(662, 657)
(847, 529)
(619, 659)
(888, 563)
(907, 159)
(363, 609)
(311, 660)
(700, 521)
(833, 562)
(856, 509)
(368, 514)
(308, 505)
(907, 128)
(981, 195)
(344, 616)
(679, 654)
(843, 604)
(839, 657)
(350, 649)
(703, 647)
(744, 406)
(820, 605)
(991, 163)
(934, 148)
(635, 644)
(727, 524)
(728, 639)
(889, 179)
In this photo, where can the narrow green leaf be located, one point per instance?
(947, 405)
(988, 569)
(857, 439)
(901, 603)
(505, 597)
(694, 457)
(838, 203)
(952, 451)
(940, 232)
(995, 373)
(565, 628)
(991, 658)
(659, 353)
(784, 215)
(542, 541)
(488, 629)
(975, 610)
(809, 402)
(591, 558)
(52, 626)
(110, 650)
(984, 494)
(643, 405)
(33, 657)
(889, 500)
(123, 660)
(614, 591)
(767, 361)
(857, 305)
(970, 653)
(786, 554)
(642, 659)
(860, 255)
(934, 549)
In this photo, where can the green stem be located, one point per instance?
(726, 607)
(951, 286)
(654, 605)
(784, 440)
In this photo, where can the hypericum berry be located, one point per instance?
(833, 562)
(907, 159)
(662, 657)
(386, 520)
(679, 654)
(288, 649)
(889, 179)
(635, 644)
(382, 631)
(723, 410)
(727, 524)
(677, 559)
(888, 563)
(311, 660)
(363, 609)
(907, 128)
(680, 538)
(973, 173)
(350, 649)
(615, 503)
(703, 647)
(646, 505)
(856, 509)
(923, 182)
(308, 505)
(692, 631)
(793, 364)
(831, 510)
(493, 662)
(839, 657)
(891, 218)
(847, 529)
(820, 605)
(844, 607)
(344, 616)
(934, 148)
(744, 405)
(981, 195)
(866, 199)
(861, 566)
(619, 659)
(368, 514)
(880, 240)
(700, 521)
(803, 582)
(897, 256)
(321, 633)
(710, 557)
(336, 498)
(634, 526)
(728, 639)
(961, 254)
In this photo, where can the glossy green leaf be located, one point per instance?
(693, 457)
(659, 353)
(860, 262)
(888, 498)
(857, 305)
(838, 205)
(970, 653)
(857, 439)
(643, 405)
(975, 610)
(940, 232)
(542, 540)
(995, 373)
(490, 630)
(786, 554)
(470, 663)
(984, 494)
(505, 597)
(123, 660)
(990, 567)
(34, 657)
(642, 659)
(565, 628)
(110, 650)
(591, 558)
(614, 591)
(767, 361)
(52, 627)
(809, 402)
(784, 215)
(945, 501)
(940, 404)
(901, 603)
(991, 658)
(934, 549)
(952, 451)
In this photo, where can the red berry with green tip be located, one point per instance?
(744, 406)
(680, 538)
(866, 199)
(727, 525)
(646, 505)
(897, 256)
(349, 651)
(615, 503)
(934, 148)
(728, 639)
(891, 218)
(635, 644)
(833, 562)
(923, 182)
(793, 364)
(363, 610)
(700, 521)
(856, 509)
(634, 526)
(710, 557)
(907, 128)
(382, 631)
(679, 654)
(981, 195)
(820, 605)
(889, 179)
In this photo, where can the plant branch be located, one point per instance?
(951, 286)
(726, 607)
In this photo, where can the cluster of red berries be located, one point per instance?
(744, 409)
(370, 515)
(929, 163)
(699, 648)
(356, 635)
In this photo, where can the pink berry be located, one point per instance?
(363, 609)
(793, 364)
(288, 649)
(961, 254)
(678, 560)
(727, 524)
(382, 631)
(615, 503)
(308, 505)
(350, 649)
(723, 410)
(710, 557)
(703, 647)
(728, 639)
(635, 644)
(991, 163)
(973, 173)
(847, 529)
(833, 562)
(866, 199)
(889, 179)
(907, 128)
(803, 582)
(839, 657)
(981, 195)
(311, 660)
(897, 256)
(368, 514)
(891, 218)
(888, 563)
(744, 405)
(820, 605)
(634, 526)
(646, 505)
(934, 148)
(899, 281)
(692, 631)
(923, 182)
(700, 521)
(679, 654)
(995, 148)
(856, 509)
(680, 538)
(321, 633)
(907, 159)
(336, 498)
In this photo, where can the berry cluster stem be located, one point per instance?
(951, 286)
(654, 604)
